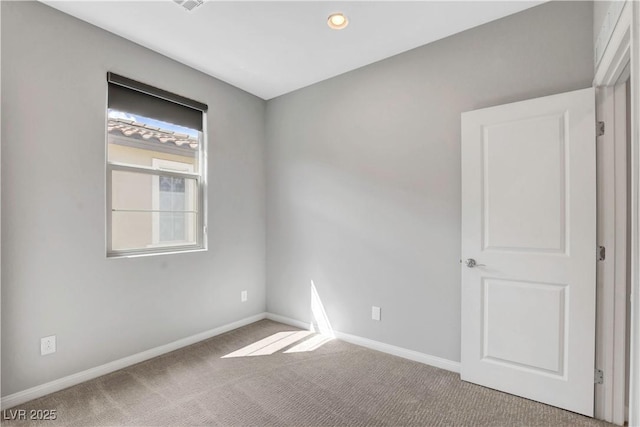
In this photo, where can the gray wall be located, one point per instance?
(363, 173)
(55, 277)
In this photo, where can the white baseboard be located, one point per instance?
(289, 321)
(80, 377)
(416, 356)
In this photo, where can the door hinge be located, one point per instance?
(602, 253)
(600, 128)
(598, 376)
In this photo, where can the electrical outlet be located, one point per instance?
(47, 345)
(243, 296)
(375, 313)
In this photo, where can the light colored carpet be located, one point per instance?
(338, 384)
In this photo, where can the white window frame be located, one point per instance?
(201, 213)
(137, 98)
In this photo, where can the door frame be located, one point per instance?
(612, 231)
(622, 55)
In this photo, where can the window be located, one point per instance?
(169, 202)
(155, 170)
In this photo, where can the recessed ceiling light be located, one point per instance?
(337, 21)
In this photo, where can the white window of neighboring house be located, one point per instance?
(155, 170)
(171, 202)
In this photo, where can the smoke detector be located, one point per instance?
(189, 4)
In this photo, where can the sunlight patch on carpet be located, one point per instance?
(311, 344)
(270, 345)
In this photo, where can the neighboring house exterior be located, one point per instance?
(149, 210)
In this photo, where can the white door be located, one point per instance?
(529, 222)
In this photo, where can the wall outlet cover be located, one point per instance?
(243, 296)
(375, 313)
(47, 345)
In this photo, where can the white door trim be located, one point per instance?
(634, 380)
(622, 55)
(612, 271)
(617, 53)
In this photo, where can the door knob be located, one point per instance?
(472, 263)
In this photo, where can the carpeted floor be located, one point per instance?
(337, 384)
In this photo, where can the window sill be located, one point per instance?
(146, 253)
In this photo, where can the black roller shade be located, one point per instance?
(138, 98)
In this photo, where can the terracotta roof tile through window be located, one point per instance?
(133, 129)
